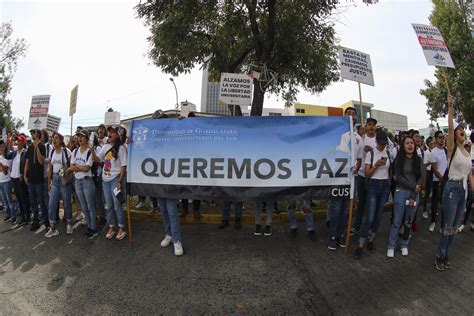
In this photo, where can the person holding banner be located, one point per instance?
(59, 185)
(34, 178)
(367, 145)
(409, 175)
(455, 189)
(18, 158)
(338, 208)
(5, 185)
(114, 156)
(81, 165)
(377, 171)
(238, 208)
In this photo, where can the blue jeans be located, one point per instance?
(401, 211)
(454, 202)
(169, 214)
(59, 191)
(308, 216)
(269, 211)
(21, 192)
(338, 210)
(6, 192)
(115, 209)
(85, 191)
(36, 194)
(377, 195)
(45, 192)
(361, 199)
(99, 199)
(238, 208)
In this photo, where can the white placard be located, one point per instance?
(235, 89)
(433, 45)
(53, 123)
(73, 101)
(112, 118)
(39, 112)
(356, 66)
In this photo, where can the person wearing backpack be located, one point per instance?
(377, 170)
(59, 185)
(114, 156)
(455, 186)
(439, 155)
(81, 165)
(409, 175)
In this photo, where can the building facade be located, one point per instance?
(210, 97)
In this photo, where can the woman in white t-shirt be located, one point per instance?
(81, 164)
(59, 185)
(114, 157)
(455, 190)
(377, 172)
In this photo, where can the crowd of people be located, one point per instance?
(91, 169)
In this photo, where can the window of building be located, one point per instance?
(302, 111)
(274, 114)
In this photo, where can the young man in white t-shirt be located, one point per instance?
(368, 144)
(430, 143)
(440, 156)
(5, 185)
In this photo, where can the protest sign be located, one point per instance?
(356, 66)
(39, 112)
(433, 45)
(244, 158)
(235, 89)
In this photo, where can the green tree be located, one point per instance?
(10, 51)
(451, 18)
(290, 43)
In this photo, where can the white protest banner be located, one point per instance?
(112, 118)
(53, 123)
(39, 112)
(235, 89)
(433, 45)
(356, 66)
(73, 101)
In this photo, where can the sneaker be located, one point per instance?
(121, 234)
(268, 230)
(51, 233)
(354, 231)
(258, 230)
(293, 232)
(425, 215)
(312, 235)
(7, 219)
(461, 228)
(358, 253)
(432, 228)
(371, 246)
(447, 264)
(439, 263)
(178, 248)
(404, 252)
(238, 223)
(110, 233)
(342, 243)
(83, 222)
(166, 241)
(223, 224)
(92, 234)
(69, 229)
(332, 245)
(139, 205)
(35, 226)
(390, 253)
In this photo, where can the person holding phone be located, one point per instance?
(409, 175)
(377, 171)
(114, 156)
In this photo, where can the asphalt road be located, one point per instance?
(227, 272)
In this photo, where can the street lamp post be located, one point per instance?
(176, 90)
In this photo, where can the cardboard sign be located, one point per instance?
(235, 89)
(356, 66)
(433, 45)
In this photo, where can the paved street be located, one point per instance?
(225, 272)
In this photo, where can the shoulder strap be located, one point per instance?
(51, 154)
(452, 157)
(64, 154)
(89, 152)
(371, 157)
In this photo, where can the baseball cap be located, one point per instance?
(371, 120)
(381, 138)
(84, 133)
(21, 138)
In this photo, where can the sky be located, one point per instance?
(101, 45)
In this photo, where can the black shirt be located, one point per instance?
(35, 170)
